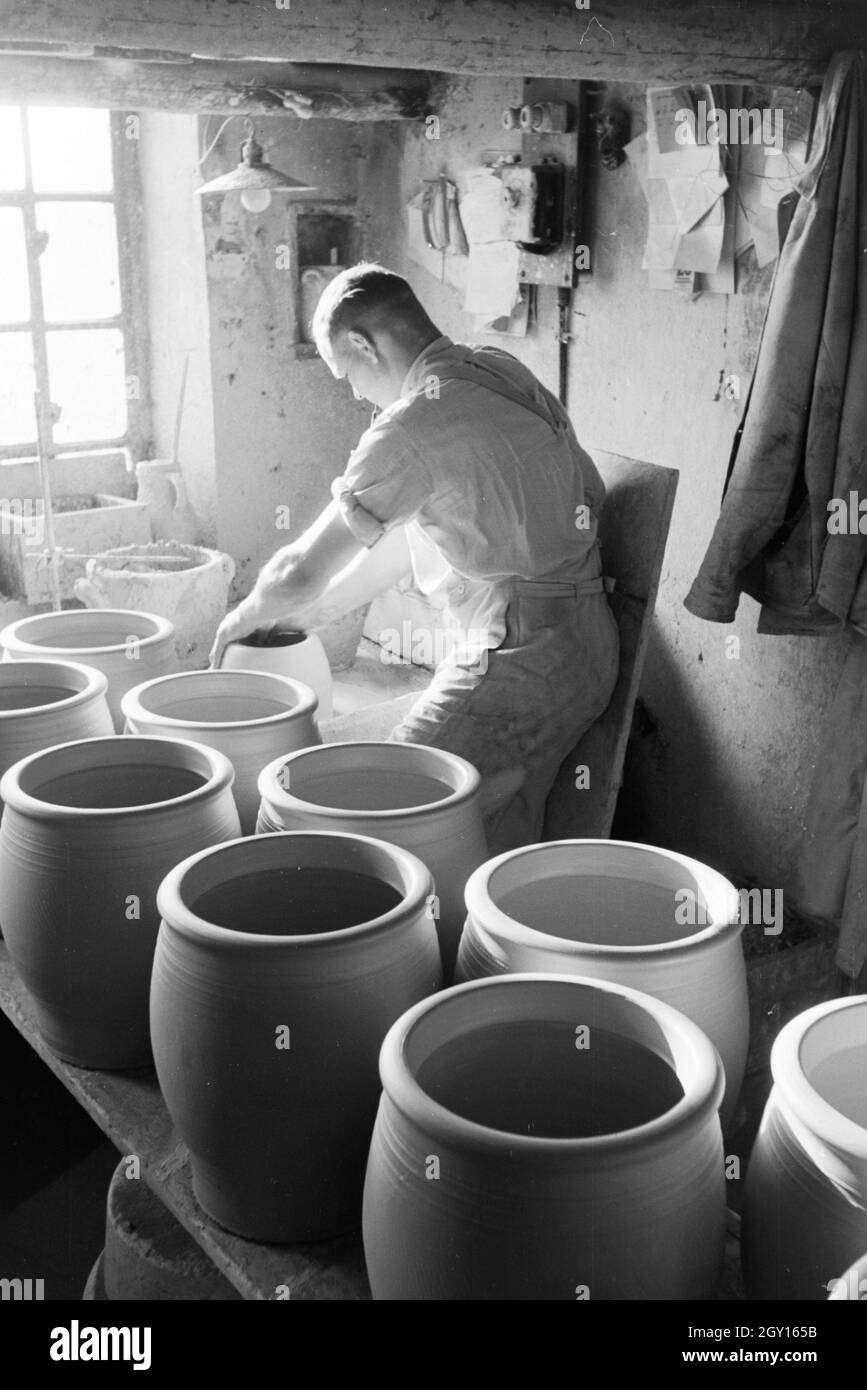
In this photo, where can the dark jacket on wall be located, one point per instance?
(803, 438)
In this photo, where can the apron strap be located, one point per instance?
(481, 374)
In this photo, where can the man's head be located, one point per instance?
(370, 328)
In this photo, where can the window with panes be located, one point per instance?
(71, 312)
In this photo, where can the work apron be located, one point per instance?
(526, 702)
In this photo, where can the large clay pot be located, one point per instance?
(247, 715)
(89, 830)
(187, 584)
(126, 646)
(612, 910)
(281, 963)
(804, 1218)
(546, 1137)
(48, 702)
(424, 799)
(298, 655)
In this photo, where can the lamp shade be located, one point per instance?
(254, 172)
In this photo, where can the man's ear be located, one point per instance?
(363, 344)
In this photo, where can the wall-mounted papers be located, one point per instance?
(493, 288)
(481, 205)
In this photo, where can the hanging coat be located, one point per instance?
(802, 441)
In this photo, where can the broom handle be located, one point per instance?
(43, 434)
(180, 411)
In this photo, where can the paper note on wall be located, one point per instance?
(493, 287)
(672, 245)
(481, 205)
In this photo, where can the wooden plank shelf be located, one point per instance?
(129, 1108)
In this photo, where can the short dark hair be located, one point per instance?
(364, 297)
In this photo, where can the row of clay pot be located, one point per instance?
(332, 936)
(130, 647)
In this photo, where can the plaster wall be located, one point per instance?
(284, 426)
(178, 312)
(720, 763)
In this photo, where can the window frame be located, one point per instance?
(126, 198)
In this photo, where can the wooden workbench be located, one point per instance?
(129, 1108)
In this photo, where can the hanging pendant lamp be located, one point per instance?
(254, 178)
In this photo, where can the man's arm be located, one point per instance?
(292, 580)
(316, 579)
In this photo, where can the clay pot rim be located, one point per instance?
(163, 629)
(220, 776)
(799, 1095)
(703, 1096)
(95, 684)
(96, 567)
(272, 793)
(177, 916)
(489, 917)
(306, 701)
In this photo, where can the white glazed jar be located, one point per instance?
(614, 910)
(804, 1220)
(298, 655)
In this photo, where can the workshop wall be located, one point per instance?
(283, 425)
(177, 298)
(721, 760)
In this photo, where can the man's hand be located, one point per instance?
(240, 623)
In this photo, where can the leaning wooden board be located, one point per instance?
(129, 1108)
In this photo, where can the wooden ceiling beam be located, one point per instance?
(214, 88)
(780, 41)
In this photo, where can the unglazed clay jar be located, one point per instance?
(48, 702)
(423, 799)
(298, 655)
(610, 910)
(127, 646)
(804, 1220)
(281, 963)
(89, 830)
(546, 1137)
(248, 715)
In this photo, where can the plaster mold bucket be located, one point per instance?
(804, 1220)
(613, 910)
(48, 702)
(424, 799)
(281, 963)
(126, 646)
(298, 655)
(187, 584)
(247, 715)
(545, 1137)
(89, 830)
